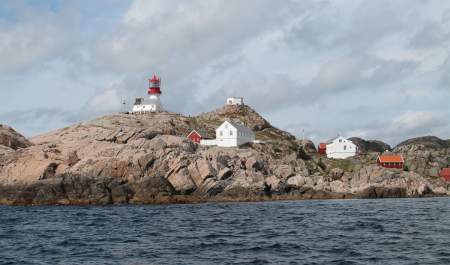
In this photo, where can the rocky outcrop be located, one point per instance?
(427, 142)
(425, 155)
(129, 158)
(242, 113)
(12, 139)
(308, 146)
(366, 146)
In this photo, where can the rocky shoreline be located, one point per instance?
(146, 159)
(103, 192)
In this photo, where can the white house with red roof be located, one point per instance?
(152, 103)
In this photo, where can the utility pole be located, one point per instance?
(123, 105)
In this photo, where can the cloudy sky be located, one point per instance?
(374, 69)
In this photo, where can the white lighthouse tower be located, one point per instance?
(152, 103)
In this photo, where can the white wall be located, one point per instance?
(144, 108)
(227, 135)
(235, 101)
(341, 148)
(152, 104)
(208, 142)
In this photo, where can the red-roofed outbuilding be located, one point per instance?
(445, 174)
(197, 135)
(322, 149)
(390, 161)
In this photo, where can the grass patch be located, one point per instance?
(343, 164)
(267, 135)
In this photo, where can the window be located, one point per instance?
(231, 133)
(345, 147)
(221, 133)
(340, 140)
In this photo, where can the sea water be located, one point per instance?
(389, 231)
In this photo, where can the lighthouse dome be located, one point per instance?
(155, 79)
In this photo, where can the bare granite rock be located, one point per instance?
(12, 139)
(127, 158)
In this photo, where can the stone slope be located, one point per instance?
(425, 142)
(12, 139)
(128, 158)
(245, 114)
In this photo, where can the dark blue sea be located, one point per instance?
(390, 231)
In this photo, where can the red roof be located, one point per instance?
(193, 132)
(322, 145)
(200, 132)
(390, 158)
(445, 172)
(154, 79)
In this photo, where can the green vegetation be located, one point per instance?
(344, 164)
(267, 135)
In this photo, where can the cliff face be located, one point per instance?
(128, 158)
(12, 139)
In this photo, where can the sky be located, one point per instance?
(371, 69)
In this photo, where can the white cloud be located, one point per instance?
(378, 69)
(36, 37)
(414, 120)
(406, 125)
(109, 100)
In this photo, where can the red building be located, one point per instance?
(445, 174)
(197, 135)
(322, 150)
(390, 161)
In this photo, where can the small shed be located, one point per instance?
(322, 149)
(445, 174)
(390, 161)
(197, 135)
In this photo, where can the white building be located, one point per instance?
(144, 105)
(235, 101)
(152, 103)
(231, 134)
(341, 148)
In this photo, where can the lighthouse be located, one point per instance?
(154, 88)
(152, 103)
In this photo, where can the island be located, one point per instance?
(147, 158)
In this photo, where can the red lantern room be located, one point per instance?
(154, 85)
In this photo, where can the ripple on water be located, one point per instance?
(397, 231)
